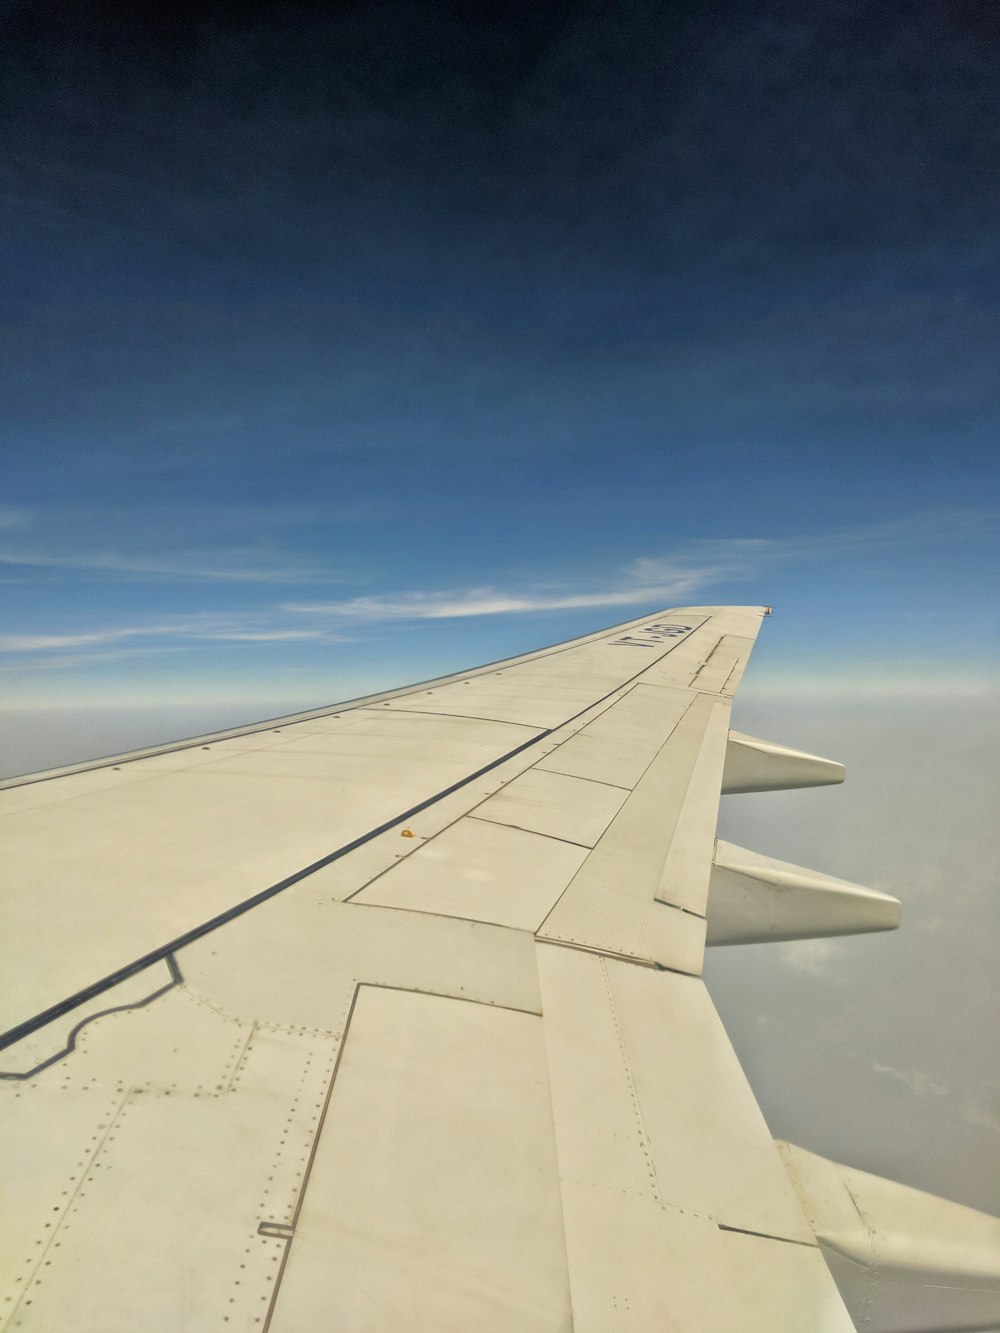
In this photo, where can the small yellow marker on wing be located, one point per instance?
(407, 833)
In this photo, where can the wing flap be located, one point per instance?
(655, 852)
(432, 1198)
(670, 1165)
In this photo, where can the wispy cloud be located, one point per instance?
(673, 575)
(984, 1110)
(750, 556)
(253, 543)
(480, 602)
(238, 567)
(646, 582)
(129, 639)
(672, 578)
(817, 958)
(33, 643)
(72, 659)
(921, 1082)
(13, 517)
(682, 576)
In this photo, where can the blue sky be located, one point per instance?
(344, 347)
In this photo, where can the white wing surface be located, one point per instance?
(390, 1015)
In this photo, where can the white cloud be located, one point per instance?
(921, 1082)
(232, 567)
(477, 602)
(817, 958)
(672, 579)
(208, 627)
(984, 1110)
(31, 643)
(673, 576)
(677, 578)
(13, 517)
(63, 661)
(663, 582)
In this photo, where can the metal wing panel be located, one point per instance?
(683, 1116)
(464, 1123)
(481, 871)
(135, 856)
(432, 1199)
(132, 869)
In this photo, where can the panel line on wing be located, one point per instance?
(579, 778)
(643, 1133)
(74, 1032)
(312, 1158)
(705, 663)
(676, 907)
(535, 832)
(600, 951)
(468, 717)
(626, 690)
(84, 1175)
(766, 1235)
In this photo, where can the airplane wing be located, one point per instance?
(389, 1015)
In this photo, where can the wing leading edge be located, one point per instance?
(390, 1014)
